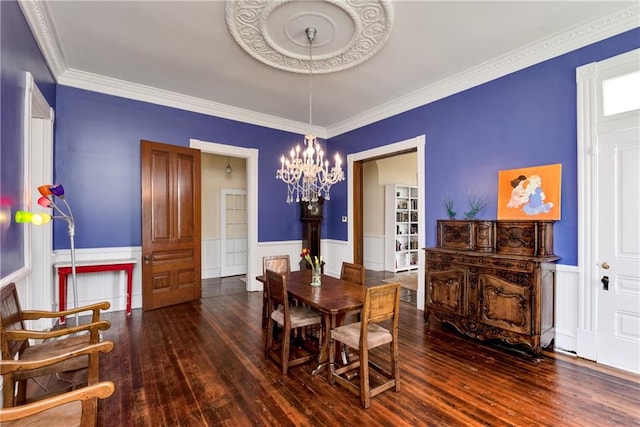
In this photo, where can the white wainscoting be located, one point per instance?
(566, 308)
(111, 286)
(374, 252)
(210, 258)
(333, 253)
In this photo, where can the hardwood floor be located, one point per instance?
(203, 364)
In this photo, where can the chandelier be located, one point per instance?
(306, 171)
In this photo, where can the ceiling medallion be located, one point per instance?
(273, 32)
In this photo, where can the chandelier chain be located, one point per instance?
(310, 83)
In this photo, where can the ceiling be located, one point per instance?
(182, 54)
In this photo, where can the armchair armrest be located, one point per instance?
(10, 366)
(40, 314)
(100, 390)
(22, 334)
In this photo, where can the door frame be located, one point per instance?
(588, 111)
(355, 188)
(254, 267)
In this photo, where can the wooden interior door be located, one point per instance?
(171, 248)
(358, 226)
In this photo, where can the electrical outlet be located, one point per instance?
(344, 219)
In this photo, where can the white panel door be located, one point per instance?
(618, 240)
(233, 232)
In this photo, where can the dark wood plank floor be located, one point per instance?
(202, 364)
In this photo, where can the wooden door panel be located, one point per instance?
(185, 206)
(160, 197)
(505, 305)
(445, 290)
(171, 247)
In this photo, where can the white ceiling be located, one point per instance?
(181, 53)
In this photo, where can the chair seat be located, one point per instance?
(53, 348)
(300, 316)
(350, 335)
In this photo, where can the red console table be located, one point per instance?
(64, 270)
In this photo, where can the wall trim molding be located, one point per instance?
(39, 20)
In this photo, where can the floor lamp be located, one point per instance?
(49, 192)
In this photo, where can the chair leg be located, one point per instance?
(265, 315)
(395, 365)
(269, 337)
(365, 395)
(286, 344)
(332, 361)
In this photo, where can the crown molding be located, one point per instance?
(581, 35)
(558, 44)
(39, 20)
(124, 89)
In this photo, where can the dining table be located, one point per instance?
(334, 298)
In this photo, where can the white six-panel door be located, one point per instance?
(617, 240)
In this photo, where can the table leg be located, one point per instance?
(129, 272)
(62, 291)
(328, 323)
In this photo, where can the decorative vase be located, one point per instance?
(315, 276)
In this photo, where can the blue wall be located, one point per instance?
(527, 118)
(18, 53)
(524, 119)
(97, 160)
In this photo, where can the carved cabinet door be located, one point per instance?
(504, 304)
(445, 290)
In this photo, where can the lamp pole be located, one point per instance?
(71, 229)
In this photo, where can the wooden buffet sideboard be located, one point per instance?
(494, 280)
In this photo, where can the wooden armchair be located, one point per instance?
(74, 408)
(14, 341)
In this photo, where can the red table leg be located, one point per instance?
(63, 273)
(129, 271)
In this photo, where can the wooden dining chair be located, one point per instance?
(279, 264)
(77, 407)
(18, 342)
(381, 303)
(288, 317)
(352, 273)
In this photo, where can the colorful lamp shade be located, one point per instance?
(44, 190)
(41, 218)
(57, 190)
(45, 202)
(23, 217)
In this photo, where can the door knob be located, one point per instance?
(605, 282)
(605, 265)
(147, 258)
